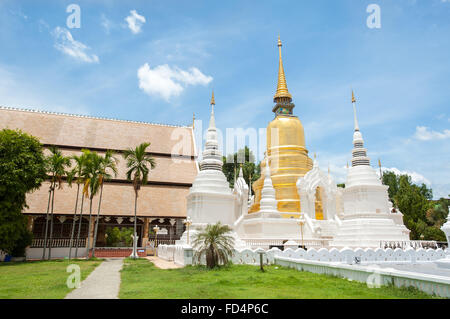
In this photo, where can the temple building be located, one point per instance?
(161, 202)
(294, 201)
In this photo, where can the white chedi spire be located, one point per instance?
(212, 156)
(268, 203)
(359, 153)
(360, 172)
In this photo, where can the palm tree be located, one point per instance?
(85, 193)
(108, 162)
(57, 164)
(76, 173)
(50, 191)
(137, 162)
(91, 186)
(215, 243)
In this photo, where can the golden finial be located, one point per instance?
(347, 164)
(328, 169)
(315, 155)
(282, 90)
(213, 102)
(353, 97)
(193, 120)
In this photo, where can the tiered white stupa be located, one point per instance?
(210, 199)
(367, 218)
(267, 223)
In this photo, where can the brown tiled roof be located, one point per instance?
(92, 132)
(117, 200)
(169, 182)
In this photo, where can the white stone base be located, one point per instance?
(271, 226)
(368, 232)
(196, 228)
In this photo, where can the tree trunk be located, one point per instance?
(79, 226)
(89, 227)
(51, 225)
(46, 220)
(74, 222)
(97, 221)
(135, 226)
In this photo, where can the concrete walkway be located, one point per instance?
(163, 264)
(102, 283)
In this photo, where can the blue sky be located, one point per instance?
(184, 49)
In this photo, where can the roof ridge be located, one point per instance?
(88, 116)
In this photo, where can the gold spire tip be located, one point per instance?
(353, 97)
(213, 102)
(282, 90)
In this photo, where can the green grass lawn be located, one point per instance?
(39, 279)
(141, 279)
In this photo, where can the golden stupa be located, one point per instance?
(286, 151)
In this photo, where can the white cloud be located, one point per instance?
(106, 23)
(415, 177)
(425, 134)
(166, 82)
(65, 43)
(135, 21)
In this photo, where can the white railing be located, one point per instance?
(373, 276)
(162, 242)
(367, 255)
(57, 242)
(409, 243)
(179, 254)
(267, 243)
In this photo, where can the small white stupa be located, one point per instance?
(367, 218)
(267, 223)
(210, 199)
(268, 203)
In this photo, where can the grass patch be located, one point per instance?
(141, 279)
(39, 279)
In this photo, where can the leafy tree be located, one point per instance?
(119, 237)
(414, 201)
(215, 243)
(138, 162)
(22, 170)
(391, 179)
(342, 185)
(232, 163)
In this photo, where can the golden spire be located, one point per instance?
(282, 90)
(213, 102)
(193, 120)
(353, 97)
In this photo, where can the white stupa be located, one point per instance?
(367, 218)
(210, 199)
(268, 203)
